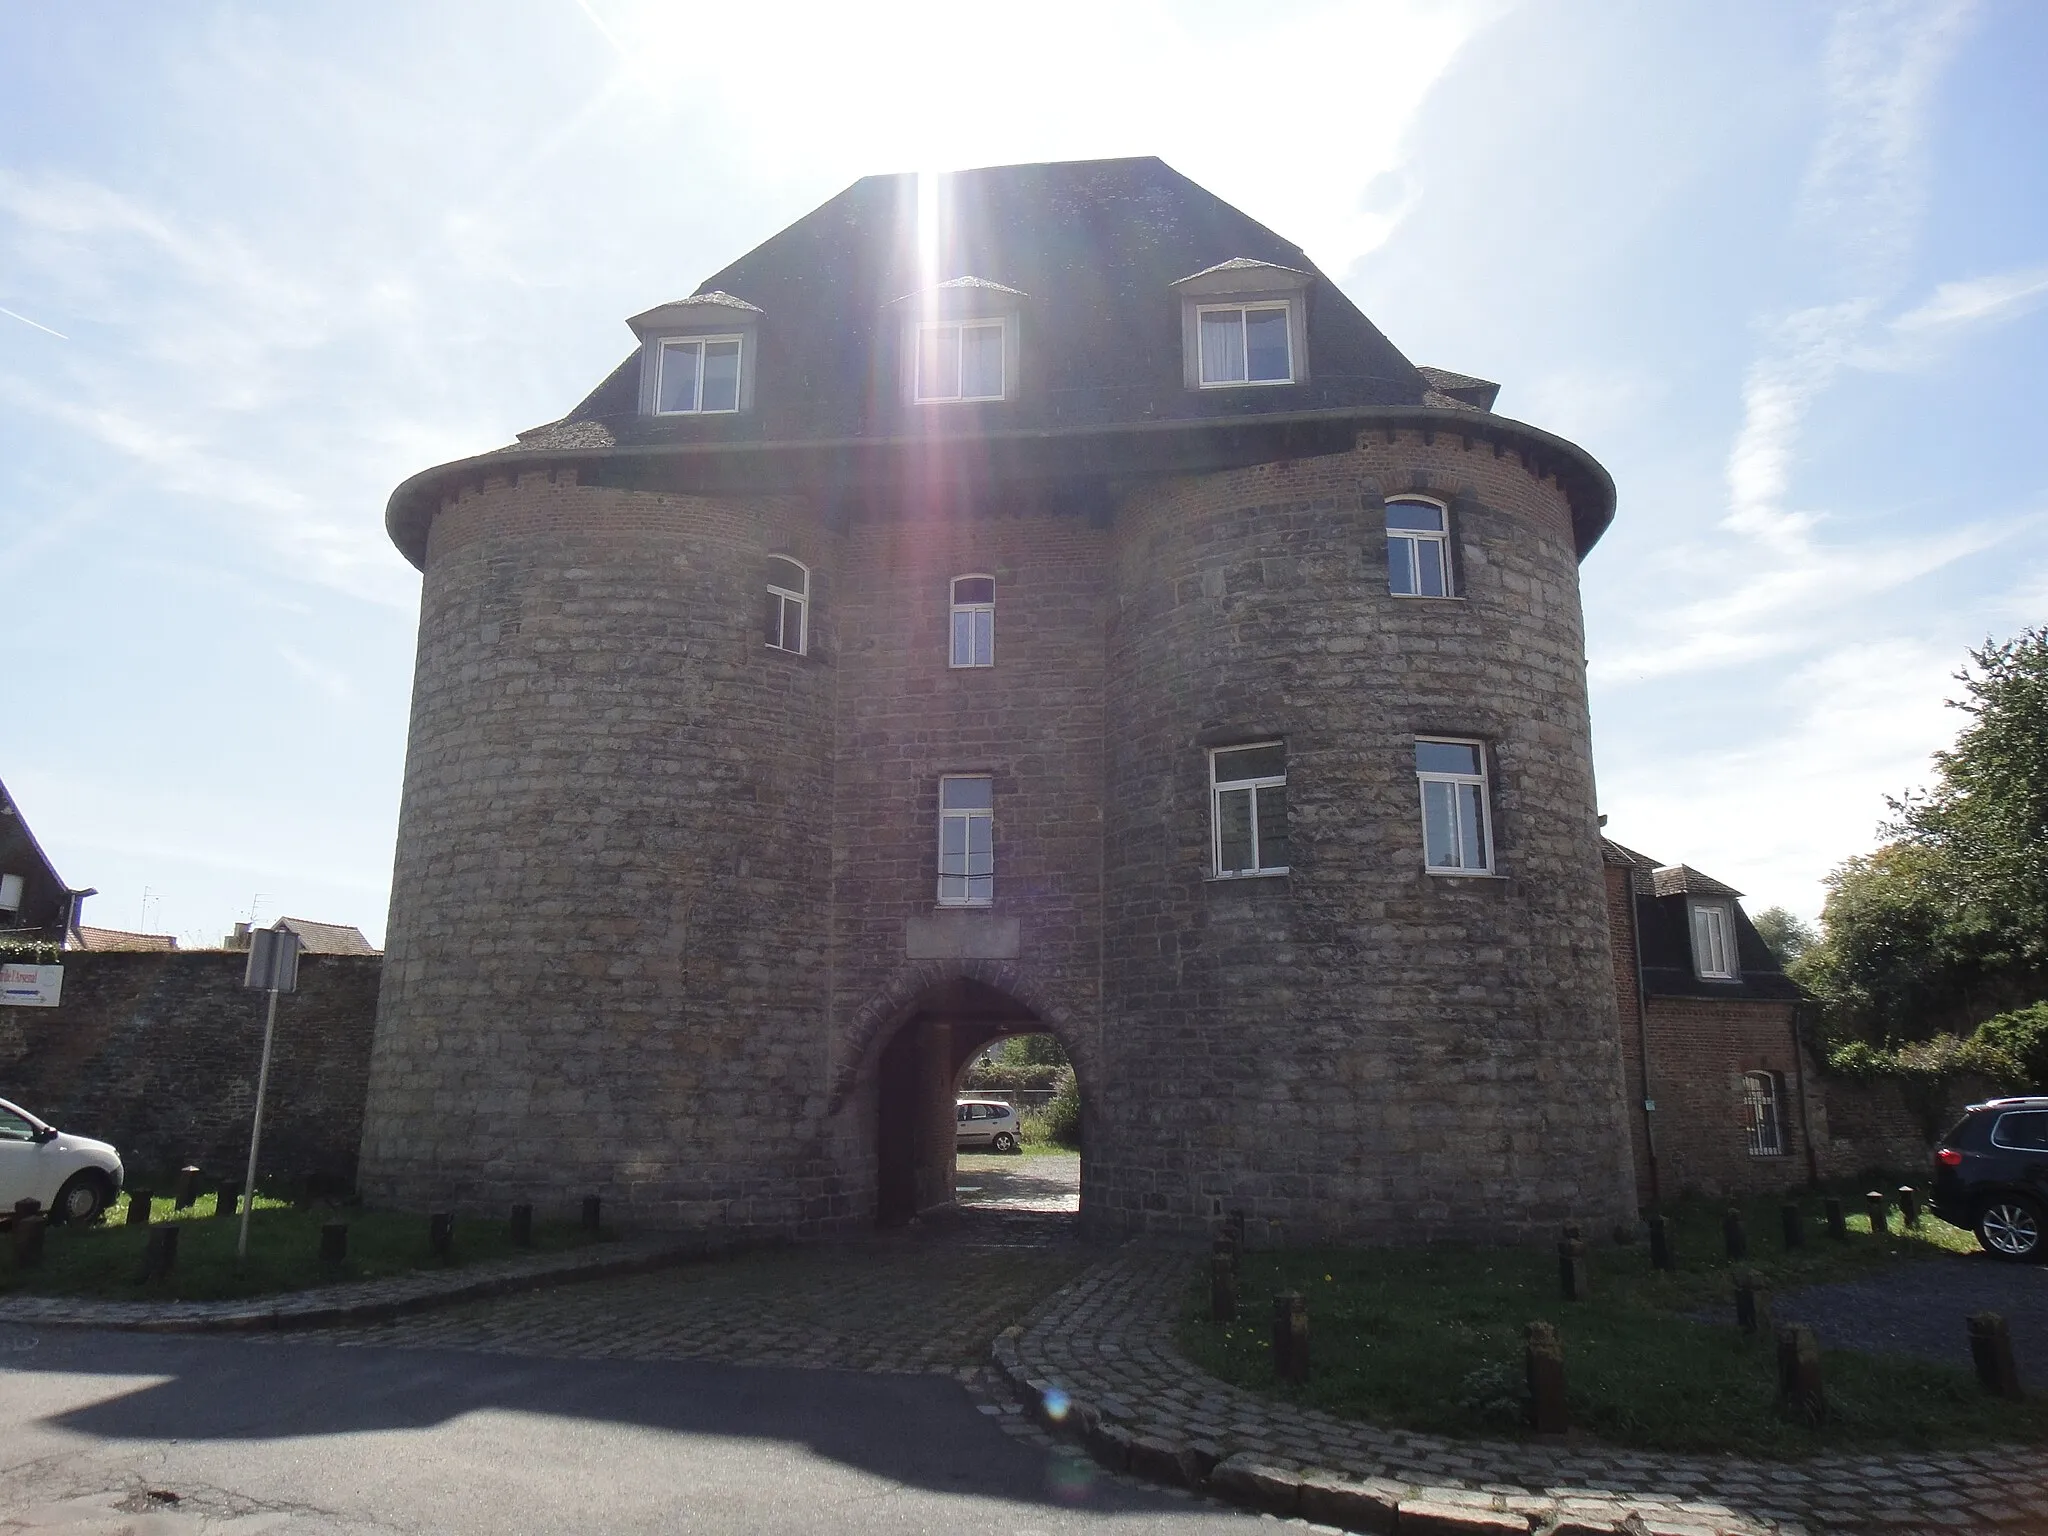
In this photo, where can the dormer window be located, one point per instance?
(1244, 323)
(962, 361)
(1245, 344)
(697, 356)
(1713, 941)
(698, 375)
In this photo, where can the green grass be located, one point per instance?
(104, 1261)
(1431, 1339)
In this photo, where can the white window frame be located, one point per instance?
(972, 612)
(960, 897)
(1415, 538)
(699, 343)
(918, 332)
(1426, 777)
(1707, 915)
(1244, 306)
(786, 599)
(1220, 787)
(12, 894)
(1763, 1118)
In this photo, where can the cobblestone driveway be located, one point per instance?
(928, 1298)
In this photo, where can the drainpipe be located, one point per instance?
(1805, 1114)
(1635, 934)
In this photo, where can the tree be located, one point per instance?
(1785, 933)
(1947, 925)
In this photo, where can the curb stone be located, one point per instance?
(364, 1301)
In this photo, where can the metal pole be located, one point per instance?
(256, 1130)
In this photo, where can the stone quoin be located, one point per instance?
(856, 677)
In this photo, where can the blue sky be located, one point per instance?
(1783, 268)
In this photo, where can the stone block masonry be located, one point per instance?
(158, 1053)
(664, 894)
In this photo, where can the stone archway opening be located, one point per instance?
(919, 1070)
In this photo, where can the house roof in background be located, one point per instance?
(328, 938)
(102, 940)
(1664, 933)
(1684, 880)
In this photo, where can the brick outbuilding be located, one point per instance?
(1030, 599)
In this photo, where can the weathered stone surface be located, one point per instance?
(1110, 1444)
(1246, 1480)
(1355, 1506)
(1436, 1517)
(656, 880)
(1166, 1461)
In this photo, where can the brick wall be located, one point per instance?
(158, 1053)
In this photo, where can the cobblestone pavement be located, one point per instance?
(1920, 1309)
(927, 1298)
(1105, 1341)
(1037, 1181)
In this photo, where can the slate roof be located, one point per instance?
(328, 938)
(1091, 250)
(1664, 933)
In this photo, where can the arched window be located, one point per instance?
(1418, 548)
(974, 621)
(789, 603)
(1760, 1110)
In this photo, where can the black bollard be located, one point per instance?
(1874, 1203)
(228, 1201)
(186, 1190)
(160, 1252)
(1290, 1336)
(1237, 1230)
(592, 1206)
(1799, 1387)
(441, 1234)
(1572, 1275)
(1909, 1208)
(1792, 1222)
(1222, 1288)
(1661, 1255)
(522, 1226)
(1991, 1353)
(1543, 1353)
(333, 1242)
(138, 1207)
(1838, 1224)
(29, 1225)
(1752, 1305)
(1734, 1235)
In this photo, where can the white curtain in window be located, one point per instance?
(981, 362)
(1223, 346)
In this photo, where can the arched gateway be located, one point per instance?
(1102, 622)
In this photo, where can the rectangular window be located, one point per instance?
(789, 601)
(1455, 837)
(1248, 808)
(1760, 1112)
(1416, 549)
(961, 361)
(700, 376)
(1713, 941)
(2022, 1131)
(967, 858)
(974, 621)
(10, 894)
(1244, 344)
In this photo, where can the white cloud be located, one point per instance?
(1974, 300)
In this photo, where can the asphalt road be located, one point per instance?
(294, 1436)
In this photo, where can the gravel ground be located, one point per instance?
(1919, 1309)
(1037, 1182)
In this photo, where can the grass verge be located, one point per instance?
(1431, 1339)
(105, 1261)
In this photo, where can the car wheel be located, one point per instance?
(83, 1199)
(1004, 1142)
(2009, 1227)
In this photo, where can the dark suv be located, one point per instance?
(1991, 1175)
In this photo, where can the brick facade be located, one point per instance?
(158, 1053)
(657, 903)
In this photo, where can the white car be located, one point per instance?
(75, 1177)
(986, 1123)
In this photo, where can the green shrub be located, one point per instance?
(1061, 1118)
(2021, 1038)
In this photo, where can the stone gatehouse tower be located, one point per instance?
(1042, 603)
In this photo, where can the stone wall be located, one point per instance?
(1863, 1127)
(158, 1054)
